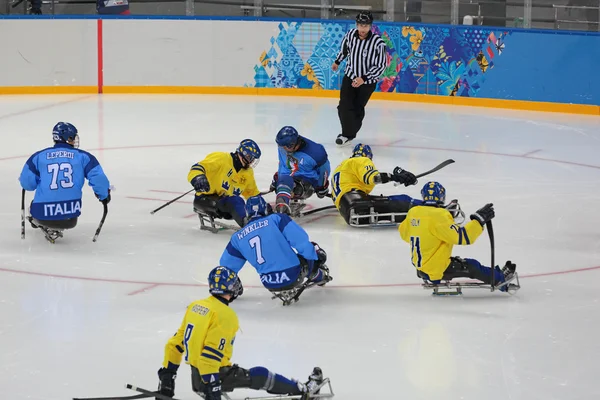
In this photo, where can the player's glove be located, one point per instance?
(484, 214)
(323, 190)
(274, 182)
(200, 183)
(106, 200)
(212, 390)
(166, 385)
(238, 290)
(404, 177)
(321, 254)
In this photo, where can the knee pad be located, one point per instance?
(207, 205)
(302, 190)
(261, 378)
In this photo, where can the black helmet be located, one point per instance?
(364, 17)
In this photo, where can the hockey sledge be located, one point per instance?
(326, 382)
(208, 223)
(449, 288)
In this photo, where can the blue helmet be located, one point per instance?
(362, 150)
(433, 193)
(222, 280)
(64, 132)
(287, 137)
(256, 206)
(250, 152)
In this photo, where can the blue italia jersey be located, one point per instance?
(309, 162)
(57, 174)
(268, 244)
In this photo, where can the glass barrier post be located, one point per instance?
(325, 9)
(389, 10)
(190, 8)
(454, 12)
(527, 6)
(258, 8)
(598, 16)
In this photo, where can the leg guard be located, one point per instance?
(302, 190)
(53, 229)
(360, 209)
(263, 379)
(208, 209)
(207, 205)
(58, 224)
(232, 377)
(285, 187)
(471, 268)
(234, 207)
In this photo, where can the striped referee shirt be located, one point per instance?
(366, 58)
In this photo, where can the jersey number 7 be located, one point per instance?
(256, 245)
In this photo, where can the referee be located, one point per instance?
(367, 60)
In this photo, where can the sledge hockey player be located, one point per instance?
(205, 341)
(267, 242)
(220, 179)
(57, 175)
(355, 178)
(303, 170)
(431, 232)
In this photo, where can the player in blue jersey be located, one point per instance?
(57, 175)
(280, 251)
(303, 170)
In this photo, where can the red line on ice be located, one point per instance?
(176, 284)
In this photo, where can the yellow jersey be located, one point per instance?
(223, 178)
(205, 337)
(432, 233)
(353, 173)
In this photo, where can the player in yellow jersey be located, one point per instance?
(355, 178)
(205, 342)
(221, 178)
(431, 232)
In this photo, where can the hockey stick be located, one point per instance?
(135, 396)
(152, 394)
(101, 222)
(317, 210)
(23, 214)
(172, 201)
(432, 170)
(490, 230)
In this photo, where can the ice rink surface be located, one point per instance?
(81, 319)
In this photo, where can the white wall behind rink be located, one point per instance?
(183, 52)
(135, 52)
(48, 52)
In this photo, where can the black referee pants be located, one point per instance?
(351, 109)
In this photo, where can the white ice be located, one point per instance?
(81, 319)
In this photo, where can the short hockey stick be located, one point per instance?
(172, 201)
(135, 396)
(101, 222)
(23, 214)
(152, 394)
(317, 210)
(490, 230)
(432, 170)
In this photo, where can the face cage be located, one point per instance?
(76, 141)
(251, 161)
